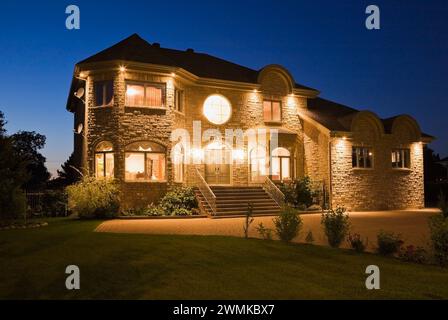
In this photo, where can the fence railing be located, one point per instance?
(206, 192)
(272, 189)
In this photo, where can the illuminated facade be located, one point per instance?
(154, 118)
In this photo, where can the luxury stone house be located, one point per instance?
(138, 109)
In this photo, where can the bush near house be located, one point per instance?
(336, 226)
(287, 224)
(389, 243)
(298, 193)
(94, 198)
(178, 202)
(179, 198)
(438, 226)
(356, 242)
(413, 254)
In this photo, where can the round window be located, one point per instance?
(217, 109)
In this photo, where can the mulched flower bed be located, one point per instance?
(29, 225)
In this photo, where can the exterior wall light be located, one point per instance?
(122, 68)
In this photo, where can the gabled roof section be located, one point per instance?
(338, 117)
(134, 48)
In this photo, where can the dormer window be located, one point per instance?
(104, 93)
(272, 111)
(148, 95)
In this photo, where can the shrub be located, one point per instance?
(265, 233)
(298, 193)
(443, 204)
(94, 198)
(181, 212)
(150, 210)
(12, 204)
(413, 254)
(389, 243)
(438, 226)
(309, 237)
(287, 224)
(54, 203)
(356, 242)
(336, 225)
(181, 197)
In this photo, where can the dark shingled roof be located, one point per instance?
(134, 48)
(338, 117)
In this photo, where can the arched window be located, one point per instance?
(178, 159)
(104, 160)
(145, 161)
(217, 109)
(280, 166)
(257, 158)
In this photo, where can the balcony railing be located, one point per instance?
(206, 192)
(272, 189)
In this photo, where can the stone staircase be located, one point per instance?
(233, 201)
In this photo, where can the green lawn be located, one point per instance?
(120, 266)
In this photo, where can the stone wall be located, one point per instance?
(380, 187)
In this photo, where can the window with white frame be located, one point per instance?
(104, 160)
(362, 157)
(149, 95)
(280, 164)
(401, 158)
(217, 109)
(103, 93)
(178, 157)
(145, 161)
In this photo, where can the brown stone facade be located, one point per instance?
(323, 155)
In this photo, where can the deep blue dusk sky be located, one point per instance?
(402, 68)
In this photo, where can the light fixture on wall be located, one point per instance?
(122, 68)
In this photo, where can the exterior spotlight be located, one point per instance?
(255, 90)
(344, 138)
(82, 75)
(122, 68)
(173, 74)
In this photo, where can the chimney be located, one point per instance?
(156, 45)
(189, 50)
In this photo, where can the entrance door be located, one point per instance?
(217, 164)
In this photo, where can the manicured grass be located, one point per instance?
(119, 266)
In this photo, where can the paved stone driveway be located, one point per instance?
(412, 225)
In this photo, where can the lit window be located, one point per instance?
(145, 161)
(104, 93)
(280, 166)
(145, 95)
(179, 100)
(104, 160)
(217, 109)
(178, 156)
(257, 164)
(401, 158)
(362, 157)
(272, 111)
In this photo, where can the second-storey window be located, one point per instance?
(272, 111)
(362, 157)
(401, 158)
(145, 95)
(179, 100)
(104, 93)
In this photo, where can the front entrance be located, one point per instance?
(217, 164)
